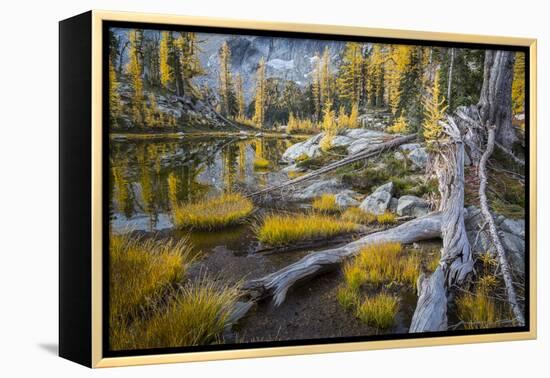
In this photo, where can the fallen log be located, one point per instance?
(365, 154)
(278, 283)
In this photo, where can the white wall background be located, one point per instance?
(29, 189)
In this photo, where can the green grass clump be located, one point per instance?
(325, 204)
(348, 298)
(261, 163)
(140, 271)
(278, 230)
(213, 213)
(386, 218)
(356, 215)
(378, 311)
(195, 314)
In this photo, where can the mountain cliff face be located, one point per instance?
(286, 58)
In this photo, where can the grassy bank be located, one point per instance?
(279, 230)
(213, 213)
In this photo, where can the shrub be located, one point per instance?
(356, 215)
(140, 271)
(325, 204)
(213, 213)
(195, 314)
(277, 230)
(378, 311)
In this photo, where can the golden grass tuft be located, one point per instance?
(477, 310)
(195, 314)
(378, 311)
(140, 271)
(354, 276)
(278, 230)
(261, 163)
(325, 204)
(213, 213)
(347, 297)
(386, 262)
(356, 215)
(386, 218)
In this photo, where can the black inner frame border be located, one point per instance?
(106, 25)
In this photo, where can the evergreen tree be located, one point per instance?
(134, 70)
(239, 94)
(375, 77)
(166, 72)
(316, 89)
(228, 100)
(397, 65)
(260, 97)
(325, 80)
(350, 77)
(434, 112)
(115, 109)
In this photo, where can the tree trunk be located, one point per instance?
(495, 101)
(277, 284)
(456, 262)
(450, 79)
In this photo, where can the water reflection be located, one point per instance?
(149, 177)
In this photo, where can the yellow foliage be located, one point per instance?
(378, 311)
(296, 125)
(325, 204)
(478, 310)
(261, 93)
(261, 163)
(348, 298)
(356, 215)
(166, 74)
(354, 117)
(195, 314)
(279, 230)
(434, 112)
(213, 213)
(400, 126)
(386, 218)
(134, 69)
(140, 270)
(329, 126)
(114, 97)
(518, 84)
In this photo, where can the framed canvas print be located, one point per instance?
(235, 189)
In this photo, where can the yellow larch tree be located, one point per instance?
(350, 77)
(434, 112)
(260, 97)
(166, 73)
(134, 69)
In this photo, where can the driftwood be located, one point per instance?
(367, 153)
(278, 283)
(503, 261)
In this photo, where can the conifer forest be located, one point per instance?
(280, 188)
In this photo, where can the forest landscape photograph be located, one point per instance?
(267, 189)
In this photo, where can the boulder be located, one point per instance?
(346, 199)
(413, 206)
(379, 201)
(515, 250)
(513, 226)
(317, 189)
(309, 148)
(419, 157)
(393, 204)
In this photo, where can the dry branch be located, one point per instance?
(367, 153)
(503, 261)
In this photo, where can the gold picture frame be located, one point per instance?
(95, 19)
